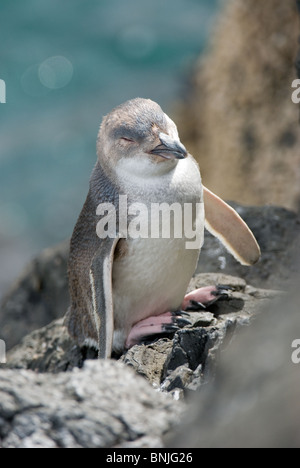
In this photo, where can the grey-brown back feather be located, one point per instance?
(101, 278)
(83, 247)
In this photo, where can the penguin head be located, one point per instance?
(140, 136)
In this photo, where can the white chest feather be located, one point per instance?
(153, 275)
(151, 279)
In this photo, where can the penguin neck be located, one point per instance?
(143, 170)
(178, 182)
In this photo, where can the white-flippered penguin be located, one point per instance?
(125, 288)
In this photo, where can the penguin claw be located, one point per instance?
(225, 286)
(222, 291)
(177, 323)
(181, 322)
(195, 305)
(170, 328)
(180, 313)
(203, 298)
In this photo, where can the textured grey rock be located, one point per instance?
(254, 399)
(48, 349)
(278, 233)
(172, 364)
(238, 118)
(102, 405)
(105, 403)
(39, 296)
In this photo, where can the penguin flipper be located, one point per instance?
(224, 223)
(101, 285)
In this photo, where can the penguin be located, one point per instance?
(125, 288)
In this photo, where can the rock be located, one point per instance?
(39, 296)
(106, 404)
(298, 55)
(48, 349)
(72, 401)
(178, 380)
(278, 233)
(102, 405)
(143, 442)
(149, 360)
(239, 120)
(172, 364)
(253, 402)
(15, 253)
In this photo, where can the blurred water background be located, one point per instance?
(65, 65)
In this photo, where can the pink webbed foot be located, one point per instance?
(204, 297)
(168, 322)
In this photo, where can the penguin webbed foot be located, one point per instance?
(203, 298)
(149, 329)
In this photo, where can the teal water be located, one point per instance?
(65, 64)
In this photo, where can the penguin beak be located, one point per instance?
(170, 148)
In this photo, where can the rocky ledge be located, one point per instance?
(102, 405)
(129, 401)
